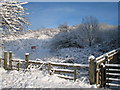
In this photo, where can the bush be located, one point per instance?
(66, 40)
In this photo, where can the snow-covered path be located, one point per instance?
(37, 79)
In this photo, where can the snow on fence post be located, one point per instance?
(92, 69)
(75, 72)
(10, 60)
(5, 60)
(27, 59)
(49, 68)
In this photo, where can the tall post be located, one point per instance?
(106, 75)
(75, 73)
(5, 60)
(27, 60)
(103, 75)
(49, 68)
(92, 69)
(18, 66)
(10, 60)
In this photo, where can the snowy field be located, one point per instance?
(21, 44)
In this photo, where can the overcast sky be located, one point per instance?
(51, 14)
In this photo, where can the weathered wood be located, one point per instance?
(113, 79)
(49, 68)
(17, 60)
(18, 66)
(103, 76)
(98, 76)
(27, 59)
(70, 65)
(111, 53)
(92, 70)
(37, 62)
(112, 84)
(10, 60)
(113, 74)
(63, 70)
(113, 65)
(5, 60)
(113, 70)
(75, 73)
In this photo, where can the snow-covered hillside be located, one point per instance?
(20, 44)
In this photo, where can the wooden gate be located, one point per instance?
(105, 69)
(112, 75)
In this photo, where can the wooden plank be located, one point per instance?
(113, 79)
(112, 69)
(54, 64)
(37, 62)
(69, 65)
(65, 77)
(64, 70)
(111, 53)
(113, 65)
(112, 84)
(17, 60)
(115, 74)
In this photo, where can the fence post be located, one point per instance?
(10, 60)
(27, 59)
(92, 69)
(103, 75)
(106, 75)
(75, 73)
(18, 66)
(49, 68)
(5, 60)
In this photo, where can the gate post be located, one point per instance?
(103, 75)
(5, 60)
(10, 60)
(92, 69)
(49, 68)
(26, 60)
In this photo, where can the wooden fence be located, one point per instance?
(99, 68)
(8, 65)
(100, 71)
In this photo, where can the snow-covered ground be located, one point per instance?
(37, 79)
(21, 44)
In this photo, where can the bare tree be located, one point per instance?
(64, 27)
(90, 26)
